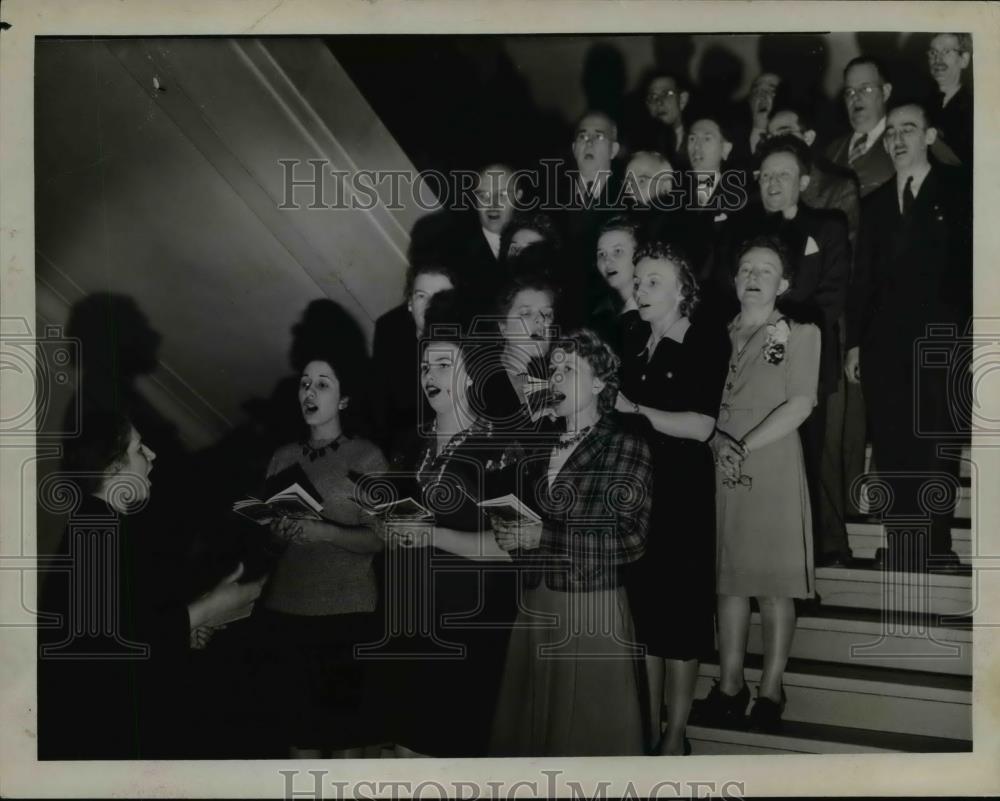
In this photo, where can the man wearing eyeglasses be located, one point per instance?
(866, 92)
(949, 57)
(762, 93)
(665, 98)
(913, 271)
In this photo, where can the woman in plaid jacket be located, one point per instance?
(571, 678)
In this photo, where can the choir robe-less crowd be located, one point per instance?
(675, 393)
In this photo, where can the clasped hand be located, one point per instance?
(729, 455)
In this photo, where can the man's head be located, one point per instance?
(866, 92)
(496, 196)
(665, 98)
(761, 97)
(708, 144)
(595, 144)
(908, 135)
(947, 56)
(791, 119)
(648, 176)
(784, 172)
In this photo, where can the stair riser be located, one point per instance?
(964, 466)
(915, 652)
(866, 710)
(716, 748)
(963, 505)
(866, 538)
(896, 597)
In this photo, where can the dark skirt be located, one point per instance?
(439, 666)
(312, 685)
(672, 587)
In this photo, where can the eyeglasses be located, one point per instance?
(865, 89)
(743, 481)
(941, 55)
(583, 137)
(657, 97)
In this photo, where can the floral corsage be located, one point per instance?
(776, 342)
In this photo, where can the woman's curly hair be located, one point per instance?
(658, 249)
(601, 358)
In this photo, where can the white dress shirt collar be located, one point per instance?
(493, 240)
(871, 137)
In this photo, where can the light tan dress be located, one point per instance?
(764, 543)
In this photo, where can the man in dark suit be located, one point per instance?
(836, 189)
(949, 57)
(472, 240)
(913, 270)
(661, 129)
(866, 92)
(751, 134)
(821, 261)
(830, 187)
(586, 194)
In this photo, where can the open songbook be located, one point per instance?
(404, 509)
(299, 498)
(509, 508)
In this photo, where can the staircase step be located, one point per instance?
(963, 502)
(836, 636)
(917, 593)
(866, 535)
(965, 465)
(808, 738)
(867, 698)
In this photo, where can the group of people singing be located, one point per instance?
(670, 389)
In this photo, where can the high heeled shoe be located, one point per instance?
(721, 709)
(765, 716)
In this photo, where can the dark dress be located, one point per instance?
(672, 588)
(114, 671)
(442, 655)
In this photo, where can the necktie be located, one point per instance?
(706, 184)
(908, 196)
(858, 148)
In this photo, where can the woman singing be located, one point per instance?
(672, 375)
(571, 684)
(762, 501)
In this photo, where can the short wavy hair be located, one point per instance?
(622, 222)
(768, 242)
(539, 222)
(601, 358)
(101, 445)
(658, 249)
(787, 143)
(428, 268)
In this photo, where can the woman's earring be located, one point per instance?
(343, 403)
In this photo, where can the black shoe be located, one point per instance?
(766, 714)
(720, 709)
(687, 747)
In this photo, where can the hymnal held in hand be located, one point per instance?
(404, 509)
(509, 508)
(293, 501)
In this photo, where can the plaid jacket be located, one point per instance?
(596, 514)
